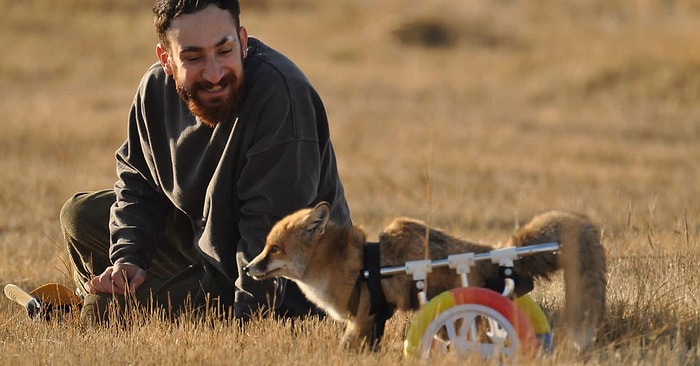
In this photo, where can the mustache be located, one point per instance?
(228, 79)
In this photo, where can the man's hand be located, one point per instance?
(117, 279)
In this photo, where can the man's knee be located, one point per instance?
(85, 209)
(70, 213)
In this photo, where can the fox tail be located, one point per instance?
(582, 259)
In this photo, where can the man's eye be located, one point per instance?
(225, 51)
(192, 59)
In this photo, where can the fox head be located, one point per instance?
(290, 244)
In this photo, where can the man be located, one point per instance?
(225, 137)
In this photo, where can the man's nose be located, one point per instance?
(213, 71)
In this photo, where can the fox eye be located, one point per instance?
(274, 249)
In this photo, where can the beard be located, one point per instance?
(216, 110)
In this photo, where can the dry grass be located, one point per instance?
(470, 115)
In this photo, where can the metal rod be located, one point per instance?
(521, 251)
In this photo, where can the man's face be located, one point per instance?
(205, 57)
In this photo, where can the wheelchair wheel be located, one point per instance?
(468, 321)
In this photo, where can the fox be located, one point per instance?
(324, 259)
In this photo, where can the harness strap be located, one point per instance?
(379, 306)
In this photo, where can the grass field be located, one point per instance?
(470, 115)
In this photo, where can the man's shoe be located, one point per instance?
(29, 302)
(42, 302)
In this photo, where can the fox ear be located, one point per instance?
(318, 218)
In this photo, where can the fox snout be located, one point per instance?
(259, 268)
(257, 271)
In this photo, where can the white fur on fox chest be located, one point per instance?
(317, 292)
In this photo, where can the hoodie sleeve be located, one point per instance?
(138, 215)
(288, 157)
(282, 171)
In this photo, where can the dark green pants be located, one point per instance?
(179, 279)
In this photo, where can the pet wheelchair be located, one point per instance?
(473, 320)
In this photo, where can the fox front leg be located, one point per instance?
(357, 334)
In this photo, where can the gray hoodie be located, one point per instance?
(233, 181)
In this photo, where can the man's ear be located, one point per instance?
(164, 58)
(243, 39)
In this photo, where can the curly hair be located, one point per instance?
(166, 10)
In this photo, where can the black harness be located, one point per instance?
(379, 307)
